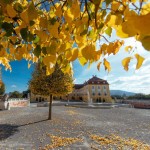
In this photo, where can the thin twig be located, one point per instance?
(40, 2)
(104, 37)
(86, 8)
(141, 3)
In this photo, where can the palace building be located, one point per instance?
(95, 89)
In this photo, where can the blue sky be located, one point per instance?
(18, 78)
(134, 80)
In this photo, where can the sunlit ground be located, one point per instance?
(75, 128)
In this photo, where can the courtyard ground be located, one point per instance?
(74, 128)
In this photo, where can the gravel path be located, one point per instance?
(28, 128)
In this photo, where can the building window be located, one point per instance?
(104, 87)
(93, 87)
(99, 93)
(93, 94)
(105, 93)
(98, 87)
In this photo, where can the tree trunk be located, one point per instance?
(50, 107)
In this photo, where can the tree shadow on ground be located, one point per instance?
(7, 130)
(35, 122)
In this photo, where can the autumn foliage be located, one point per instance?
(65, 30)
(56, 84)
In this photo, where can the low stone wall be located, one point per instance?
(17, 102)
(139, 104)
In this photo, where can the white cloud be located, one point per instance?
(13, 86)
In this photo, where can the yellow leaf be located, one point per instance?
(140, 60)
(75, 9)
(136, 24)
(110, 48)
(145, 9)
(125, 63)
(117, 46)
(43, 22)
(120, 32)
(24, 16)
(29, 65)
(68, 16)
(128, 48)
(98, 65)
(115, 5)
(53, 29)
(68, 54)
(82, 61)
(107, 65)
(47, 60)
(32, 12)
(88, 52)
(113, 20)
(146, 42)
(10, 11)
(74, 54)
(58, 10)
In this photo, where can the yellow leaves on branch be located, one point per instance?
(64, 31)
(112, 47)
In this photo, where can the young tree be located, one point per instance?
(56, 84)
(2, 88)
(33, 29)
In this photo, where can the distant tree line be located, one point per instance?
(140, 97)
(17, 94)
(136, 96)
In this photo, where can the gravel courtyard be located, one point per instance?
(73, 128)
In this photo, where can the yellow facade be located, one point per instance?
(39, 98)
(97, 93)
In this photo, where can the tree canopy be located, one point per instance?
(61, 31)
(55, 84)
(2, 88)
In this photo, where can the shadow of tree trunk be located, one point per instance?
(7, 130)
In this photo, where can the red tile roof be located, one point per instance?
(93, 80)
